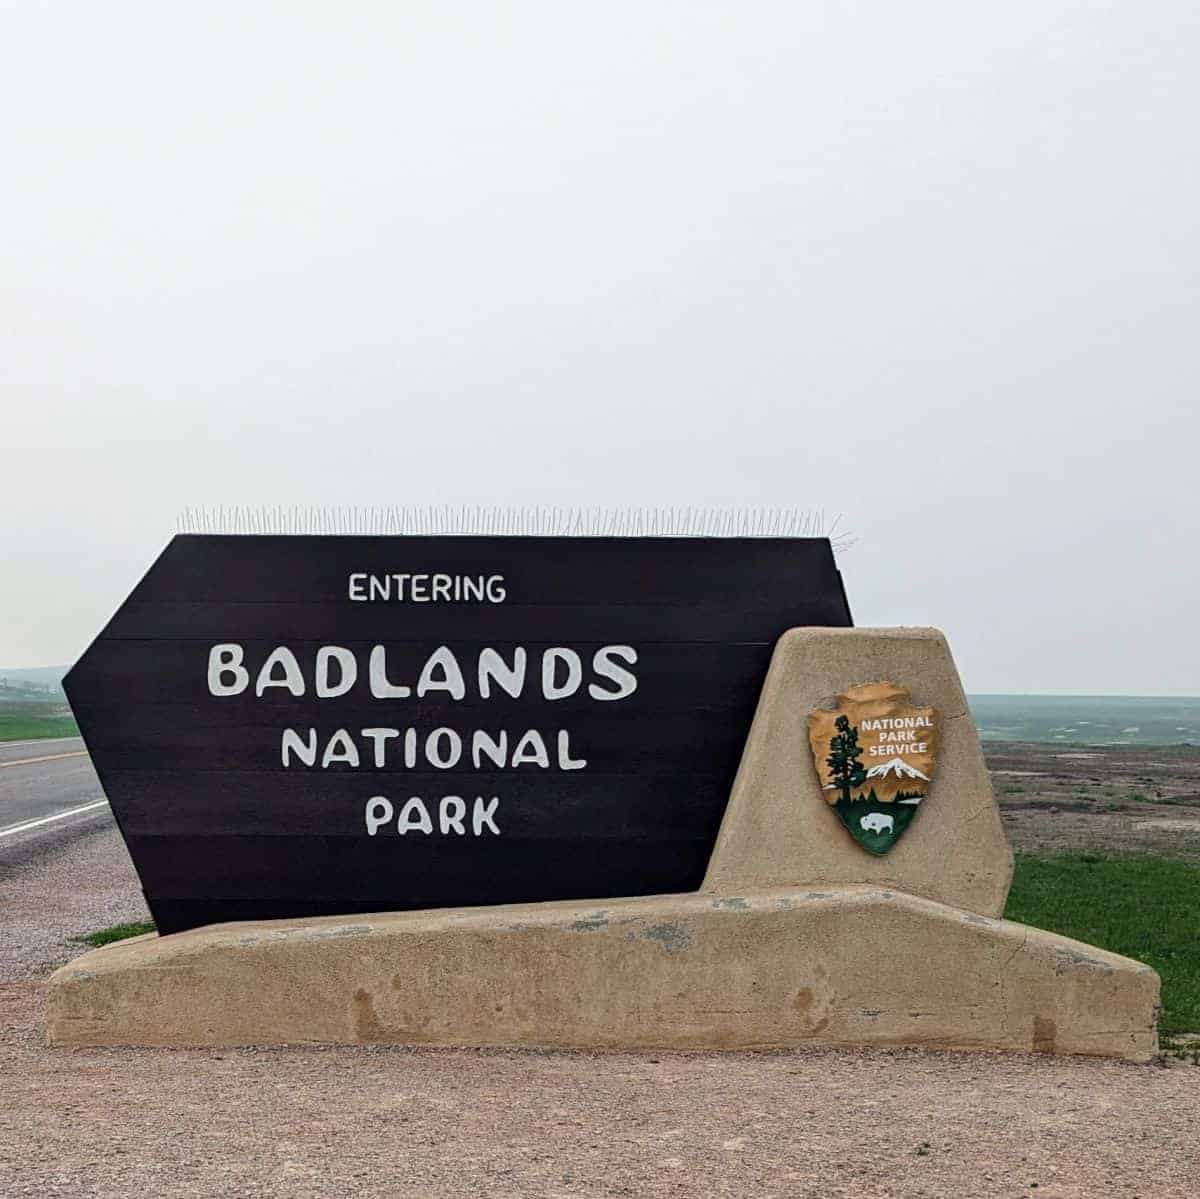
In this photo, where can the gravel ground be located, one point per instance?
(389, 1121)
(57, 888)
(394, 1122)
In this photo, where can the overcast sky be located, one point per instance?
(931, 264)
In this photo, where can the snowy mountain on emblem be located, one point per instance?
(897, 766)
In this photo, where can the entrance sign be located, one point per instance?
(313, 725)
(875, 755)
(796, 936)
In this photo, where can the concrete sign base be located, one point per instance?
(814, 925)
(853, 965)
(778, 828)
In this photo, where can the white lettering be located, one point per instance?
(292, 679)
(531, 748)
(341, 748)
(380, 687)
(451, 811)
(425, 588)
(603, 665)
(481, 815)
(448, 679)
(223, 660)
(379, 811)
(305, 751)
(437, 757)
(451, 816)
(492, 666)
(379, 738)
(414, 817)
(347, 671)
(565, 761)
(551, 689)
(495, 748)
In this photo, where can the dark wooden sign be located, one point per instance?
(294, 726)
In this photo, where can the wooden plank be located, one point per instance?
(639, 571)
(247, 803)
(331, 872)
(738, 619)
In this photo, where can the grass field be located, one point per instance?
(1145, 908)
(25, 722)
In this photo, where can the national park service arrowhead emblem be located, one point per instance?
(875, 755)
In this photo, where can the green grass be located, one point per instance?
(1146, 908)
(117, 932)
(27, 722)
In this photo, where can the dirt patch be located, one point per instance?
(1111, 800)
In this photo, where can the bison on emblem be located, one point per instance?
(877, 822)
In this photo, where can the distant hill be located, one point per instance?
(31, 684)
(1088, 719)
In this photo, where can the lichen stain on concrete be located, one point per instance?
(971, 918)
(366, 1024)
(1072, 959)
(1044, 1033)
(596, 922)
(733, 903)
(249, 940)
(672, 937)
(818, 894)
(342, 930)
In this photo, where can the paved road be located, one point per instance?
(40, 783)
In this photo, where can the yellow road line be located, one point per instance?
(78, 753)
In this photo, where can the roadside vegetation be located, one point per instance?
(31, 721)
(1146, 908)
(116, 932)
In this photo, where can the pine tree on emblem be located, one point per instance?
(845, 770)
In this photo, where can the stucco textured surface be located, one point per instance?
(781, 967)
(779, 831)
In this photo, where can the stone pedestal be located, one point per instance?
(798, 936)
(778, 967)
(778, 829)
